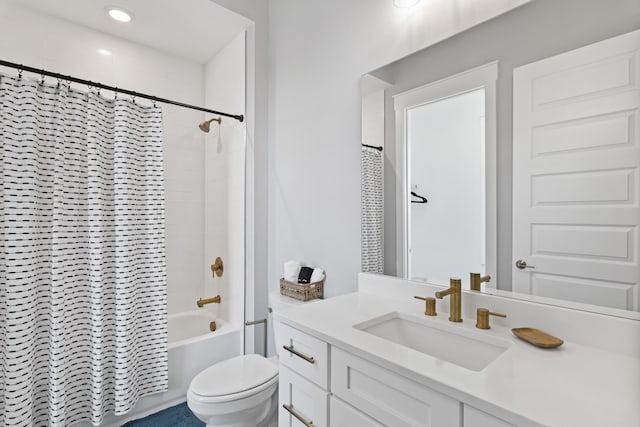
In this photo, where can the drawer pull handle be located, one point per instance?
(292, 350)
(300, 418)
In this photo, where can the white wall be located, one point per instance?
(45, 42)
(318, 50)
(224, 180)
(373, 118)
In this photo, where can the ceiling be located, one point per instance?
(191, 29)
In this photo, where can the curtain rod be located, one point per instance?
(21, 67)
(373, 146)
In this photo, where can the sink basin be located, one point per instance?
(450, 343)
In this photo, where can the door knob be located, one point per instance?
(521, 265)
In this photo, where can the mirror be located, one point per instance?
(445, 132)
(550, 157)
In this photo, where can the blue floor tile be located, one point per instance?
(176, 416)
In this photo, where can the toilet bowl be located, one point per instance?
(238, 392)
(241, 391)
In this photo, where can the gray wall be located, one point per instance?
(532, 32)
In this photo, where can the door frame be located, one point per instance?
(484, 76)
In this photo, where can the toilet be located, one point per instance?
(237, 392)
(241, 391)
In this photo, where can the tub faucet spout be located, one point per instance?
(202, 302)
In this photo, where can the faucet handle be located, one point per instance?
(429, 305)
(475, 280)
(217, 268)
(482, 320)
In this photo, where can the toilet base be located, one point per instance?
(261, 410)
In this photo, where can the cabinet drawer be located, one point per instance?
(306, 355)
(303, 398)
(389, 398)
(343, 415)
(476, 418)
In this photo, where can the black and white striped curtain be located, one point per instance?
(83, 327)
(372, 200)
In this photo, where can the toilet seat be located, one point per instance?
(233, 379)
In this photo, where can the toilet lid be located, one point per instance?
(234, 375)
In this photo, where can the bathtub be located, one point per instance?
(192, 326)
(192, 348)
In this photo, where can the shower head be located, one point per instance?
(206, 126)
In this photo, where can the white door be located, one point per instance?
(576, 161)
(446, 155)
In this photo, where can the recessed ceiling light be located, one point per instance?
(120, 14)
(104, 52)
(405, 3)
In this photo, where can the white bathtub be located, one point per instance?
(192, 326)
(192, 348)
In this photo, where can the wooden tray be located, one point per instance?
(537, 337)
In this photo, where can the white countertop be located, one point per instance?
(573, 385)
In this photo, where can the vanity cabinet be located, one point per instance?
(301, 401)
(358, 387)
(388, 397)
(322, 385)
(344, 415)
(304, 354)
(303, 389)
(476, 418)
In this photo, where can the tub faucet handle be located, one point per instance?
(217, 268)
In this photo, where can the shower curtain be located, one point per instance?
(372, 182)
(83, 327)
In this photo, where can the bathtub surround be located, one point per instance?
(83, 327)
(223, 168)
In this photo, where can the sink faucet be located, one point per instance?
(455, 305)
(476, 280)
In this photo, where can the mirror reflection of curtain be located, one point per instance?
(372, 210)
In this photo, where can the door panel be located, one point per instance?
(576, 174)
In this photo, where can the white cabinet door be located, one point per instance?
(301, 403)
(476, 418)
(343, 415)
(304, 354)
(389, 398)
(576, 174)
